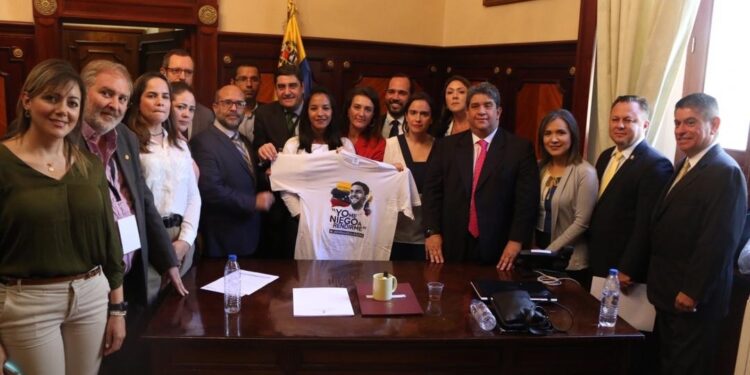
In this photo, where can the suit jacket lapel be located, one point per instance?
(124, 159)
(601, 164)
(493, 159)
(627, 165)
(228, 145)
(465, 159)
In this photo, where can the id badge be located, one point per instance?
(131, 240)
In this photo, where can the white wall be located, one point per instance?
(420, 22)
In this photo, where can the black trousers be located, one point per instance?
(687, 342)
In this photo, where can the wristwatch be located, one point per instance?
(429, 232)
(118, 309)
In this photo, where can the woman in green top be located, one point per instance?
(59, 253)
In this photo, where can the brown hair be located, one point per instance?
(574, 153)
(133, 117)
(45, 77)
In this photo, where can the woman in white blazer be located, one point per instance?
(568, 191)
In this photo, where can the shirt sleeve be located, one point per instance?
(191, 218)
(289, 173)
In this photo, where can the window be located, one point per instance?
(727, 71)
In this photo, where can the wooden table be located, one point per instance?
(192, 335)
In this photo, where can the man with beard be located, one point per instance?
(396, 95)
(247, 78)
(358, 195)
(275, 123)
(230, 220)
(108, 87)
(178, 65)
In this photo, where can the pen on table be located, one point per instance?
(393, 296)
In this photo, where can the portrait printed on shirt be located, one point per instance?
(350, 208)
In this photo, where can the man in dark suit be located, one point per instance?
(481, 192)
(631, 175)
(695, 231)
(247, 78)
(108, 90)
(397, 94)
(230, 219)
(178, 65)
(275, 123)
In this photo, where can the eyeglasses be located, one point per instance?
(226, 103)
(179, 71)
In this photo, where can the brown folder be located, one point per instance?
(396, 306)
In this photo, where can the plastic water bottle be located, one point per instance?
(232, 285)
(610, 300)
(482, 315)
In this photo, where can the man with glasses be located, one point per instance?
(229, 180)
(247, 78)
(178, 65)
(396, 95)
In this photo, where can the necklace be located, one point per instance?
(161, 132)
(50, 167)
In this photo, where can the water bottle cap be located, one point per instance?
(613, 271)
(232, 257)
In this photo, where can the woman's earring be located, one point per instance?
(26, 113)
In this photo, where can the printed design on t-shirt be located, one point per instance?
(350, 206)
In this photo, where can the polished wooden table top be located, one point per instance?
(268, 313)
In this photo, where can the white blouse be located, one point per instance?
(291, 146)
(169, 174)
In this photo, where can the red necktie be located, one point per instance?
(473, 223)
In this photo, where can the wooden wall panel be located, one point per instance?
(16, 60)
(200, 37)
(84, 44)
(341, 65)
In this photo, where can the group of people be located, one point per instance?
(125, 175)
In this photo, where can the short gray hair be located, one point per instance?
(96, 67)
(484, 88)
(703, 103)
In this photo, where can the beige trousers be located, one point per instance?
(56, 328)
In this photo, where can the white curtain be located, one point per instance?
(640, 45)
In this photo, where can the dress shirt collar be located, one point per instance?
(92, 138)
(297, 111)
(229, 133)
(389, 119)
(475, 138)
(697, 157)
(628, 151)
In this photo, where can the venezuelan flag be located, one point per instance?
(292, 50)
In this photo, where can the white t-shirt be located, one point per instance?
(349, 204)
(292, 147)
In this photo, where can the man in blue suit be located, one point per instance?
(631, 175)
(695, 231)
(230, 219)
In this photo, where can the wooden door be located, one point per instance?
(82, 44)
(153, 47)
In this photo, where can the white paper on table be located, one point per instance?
(322, 302)
(634, 307)
(251, 282)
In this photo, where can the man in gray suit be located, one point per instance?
(695, 230)
(108, 89)
(178, 65)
